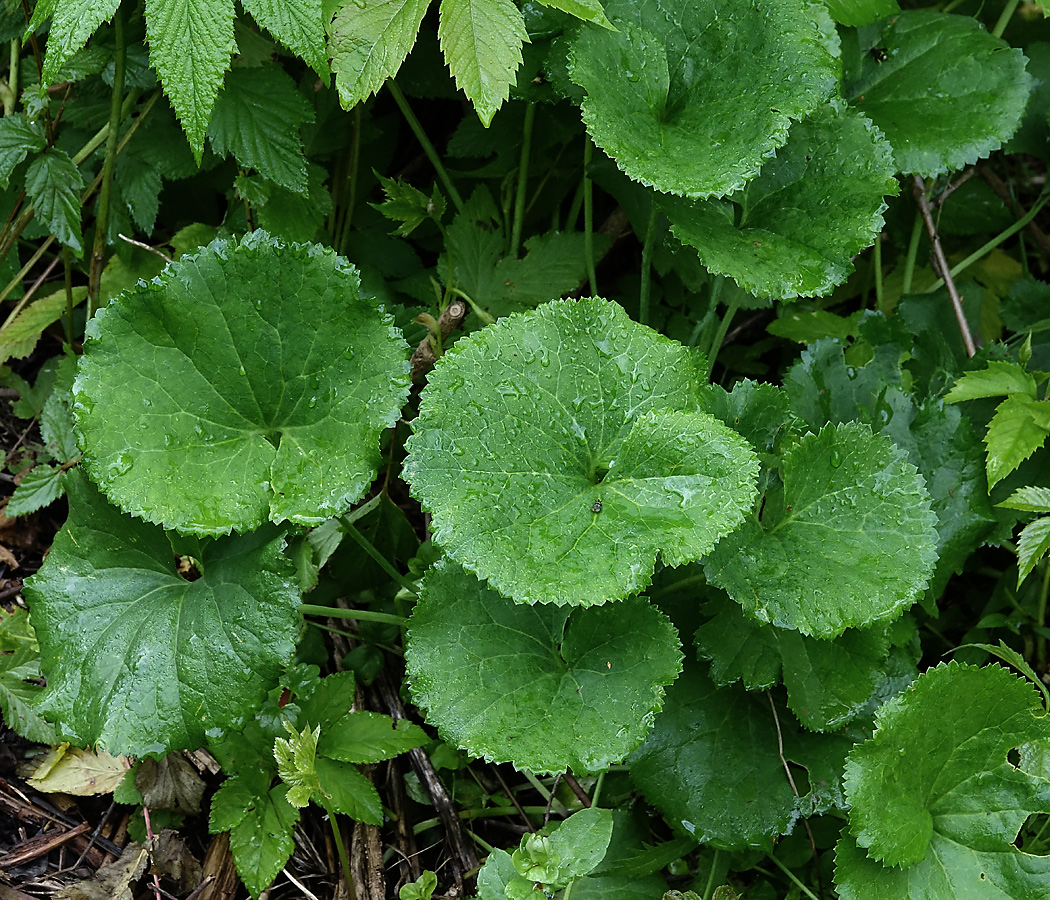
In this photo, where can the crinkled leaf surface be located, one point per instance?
(298, 24)
(933, 792)
(793, 230)
(140, 660)
(545, 687)
(711, 765)
(18, 136)
(481, 40)
(828, 682)
(176, 400)
(848, 540)
(257, 117)
(690, 98)
(943, 90)
(368, 41)
(72, 23)
(557, 457)
(190, 44)
(263, 841)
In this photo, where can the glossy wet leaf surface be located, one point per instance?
(246, 383)
(691, 98)
(936, 801)
(564, 440)
(544, 687)
(140, 660)
(847, 541)
(794, 229)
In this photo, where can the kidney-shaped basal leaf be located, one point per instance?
(690, 98)
(247, 382)
(712, 765)
(793, 230)
(936, 801)
(140, 660)
(943, 90)
(848, 540)
(557, 457)
(544, 687)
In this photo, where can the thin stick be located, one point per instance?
(144, 246)
(941, 263)
(152, 838)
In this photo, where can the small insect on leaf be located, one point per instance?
(597, 507)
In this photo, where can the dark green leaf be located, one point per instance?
(298, 24)
(369, 737)
(18, 137)
(1032, 545)
(263, 841)
(53, 184)
(19, 678)
(72, 23)
(39, 487)
(860, 12)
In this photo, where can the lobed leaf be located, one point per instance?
(860, 12)
(943, 90)
(692, 98)
(934, 799)
(560, 441)
(794, 229)
(176, 401)
(544, 687)
(849, 540)
(138, 659)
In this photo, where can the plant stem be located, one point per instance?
(805, 890)
(597, 792)
(554, 802)
(647, 262)
(574, 208)
(361, 615)
(68, 272)
(351, 182)
(588, 217)
(424, 142)
(876, 263)
(11, 98)
(1004, 17)
(17, 280)
(1041, 617)
(913, 251)
(380, 560)
(344, 858)
(523, 179)
(98, 252)
(723, 329)
(709, 889)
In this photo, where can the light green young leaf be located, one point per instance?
(348, 792)
(860, 12)
(175, 400)
(263, 841)
(190, 43)
(686, 765)
(545, 687)
(53, 185)
(297, 764)
(368, 40)
(257, 117)
(800, 222)
(298, 24)
(849, 540)
(1019, 427)
(18, 137)
(72, 23)
(581, 841)
(1029, 499)
(1032, 545)
(934, 799)
(39, 487)
(559, 441)
(999, 379)
(369, 737)
(20, 336)
(421, 889)
(943, 90)
(408, 205)
(587, 10)
(693, 98)
(481, 40)
(20, 678)
(138, 659)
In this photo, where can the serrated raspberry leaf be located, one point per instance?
(298, 24)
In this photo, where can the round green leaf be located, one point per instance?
(943, 90)
(692, 98)
(247, 382)
(557, 456)
(544, 687)
(848, 540)
(793, 230)
(711, 765)
(934, 792)
(140, 660)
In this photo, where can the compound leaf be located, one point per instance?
(140, 660)
(257, 117)
(175, 399)
(692, 98)
(545, 687)
(368, 41)
(298, 24)
(558, 441)
(190, 44)
(1019, 427)
(72, 23)
(53, 184)
(481, 40)
(848, 540)
(943, 90)
(935, 801)
(797, 225)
